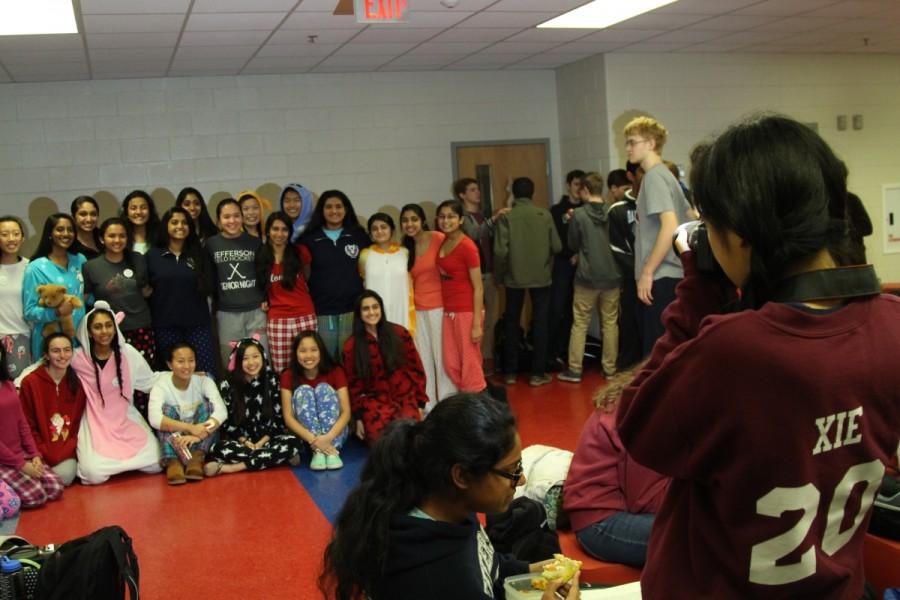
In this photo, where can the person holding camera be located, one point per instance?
(775, 420)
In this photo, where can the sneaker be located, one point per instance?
(570, 376)
(333, 462)
(318, 462)
(509, 379)
(539, 380)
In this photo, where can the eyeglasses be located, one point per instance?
(633, 143)
(515, 476)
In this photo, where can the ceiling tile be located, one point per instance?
(233, 21)
(316, 5)
(852, 9)
(507, 19)
(38, 57)
(656, 47)
(586, 48)
(490, 59)
(126, 66)
(132, 23)
(41, 42)
(204, 52)
(223, 38)
(394, 68)
(420, 60)
(358, 49)
(704, 7)
(297, 50)
(133, 7)
(320, 20)
(224, 6)
(323, 36)
(449, 48)
(622, 35)
(781, 8)
(688, 36)
(550, 35)
(799, 24)
(731, 23)
(653, 20)
(355, 61)
(519, 48)
(65, 71)
(131, 40)
(373, 34)
(463, 5)
(863, 26)
(212, 64)
(551, 60)
(419, 18)
(126, 54)
(751, 37)
(562, 6)
(286, 62)
(130, 74)
(458, 34)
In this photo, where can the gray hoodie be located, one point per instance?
(589, 239)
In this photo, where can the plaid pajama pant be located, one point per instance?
(204, 410)
(281, 332)
(32, 491)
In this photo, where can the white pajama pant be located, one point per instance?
(429, 326)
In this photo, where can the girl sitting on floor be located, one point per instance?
(53, 402)
(387, 381)
(9, 501)
(113, 436)
(409, 529)
(186, 410)
(255, 427)
(21, 465)
(315, 401)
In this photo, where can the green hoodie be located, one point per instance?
(525, 241)
(589, 239)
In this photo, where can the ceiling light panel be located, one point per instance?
(35, 17)
(603, 13)
(133, 7)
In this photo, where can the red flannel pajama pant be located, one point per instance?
(33, 491)
(281, 332)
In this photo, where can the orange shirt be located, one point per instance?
(426, 277)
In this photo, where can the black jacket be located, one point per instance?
(335, 283)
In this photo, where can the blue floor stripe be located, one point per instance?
(329, 489)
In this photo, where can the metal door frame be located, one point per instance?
(519, 142)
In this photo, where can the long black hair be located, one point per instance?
(410, 242)
(240, 388)
(127, 256)
(291, 262)
(388, 341)
(17, 221)
(152, 226)
(4, 371)
(116, 350)
(776, 184)
(45, 245)
(76, 204)
(204, 226)
(191, 249)
(326, 361)
(71, 376)
(409, 463)
(317, 221)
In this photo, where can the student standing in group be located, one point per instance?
(384, 370)
(139, 213)
(563, 278)
(255, 436)
(53, 262)
(463, 299)
(597, 280)
(334, 240)
(297, 203)
(192, 201)
(661, 206)
(53, 402)
(86, 213)
(384, 269)
(252, 213)
(525, 242)
(21, 465)
(239, 300)
(623, 188)
(113, 437)
(15, 334)
(315, 401)
(179, 276)
(279, 269)
(186, 410)
(481, 230)
(423, 247)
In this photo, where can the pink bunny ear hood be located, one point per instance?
(101, 305)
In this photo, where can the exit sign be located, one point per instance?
(381, 11)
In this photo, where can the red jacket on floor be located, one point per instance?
(53, 413)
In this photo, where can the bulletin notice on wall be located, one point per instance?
(891, 217)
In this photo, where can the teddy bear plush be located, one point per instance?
(52, 295)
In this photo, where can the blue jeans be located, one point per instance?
(620, 538)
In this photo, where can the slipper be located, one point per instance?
(212, 468)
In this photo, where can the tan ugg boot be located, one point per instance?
(175, 472)
(194, 469)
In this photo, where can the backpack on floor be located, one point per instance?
(99, 566)
(522, 531)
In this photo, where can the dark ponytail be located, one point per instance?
(776, 184)
(410, 242)
(410, 462)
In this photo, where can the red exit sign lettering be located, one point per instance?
(381, 11)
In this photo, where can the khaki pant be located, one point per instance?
(607, 302)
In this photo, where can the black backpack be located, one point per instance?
(99, 566)
(522, 531)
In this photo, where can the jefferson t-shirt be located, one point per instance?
(234, 260)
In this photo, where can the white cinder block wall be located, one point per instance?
(583, 116)
(383, 138)
(695, 95)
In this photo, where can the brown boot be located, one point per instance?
(175, 472)
(194, 469)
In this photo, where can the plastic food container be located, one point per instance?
(518, 587)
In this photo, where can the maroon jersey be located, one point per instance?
(776, 425)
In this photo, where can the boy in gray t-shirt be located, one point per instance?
(661, 207)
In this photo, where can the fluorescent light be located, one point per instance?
(34, 17)
(603, 13)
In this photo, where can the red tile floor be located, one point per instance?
(257, 536)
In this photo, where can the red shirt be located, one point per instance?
(53, 413)
(16, 443)
(776, 425)
(288, 303)
(455, 283)
(604, 480)
(336, 379)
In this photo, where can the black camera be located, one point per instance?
(698, 241)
